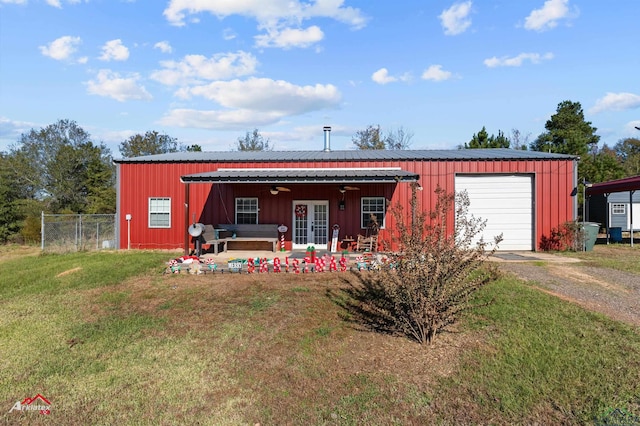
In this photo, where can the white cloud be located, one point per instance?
(290, 37)
(110, 84)
(280, 19)
(58, 3)
(219, 120)
(436, 73)
(114, 50)
(616, 102)
(268, 14)
(382, 76)
(10, 131)
(455, 20)
(252, 102)
(517, 61)
(548, 16)
(196, 68)
(61, 48)
(13, 1)
(164, 46)
(264, 94)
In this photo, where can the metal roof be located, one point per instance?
(357, 175)
(347, 155)
(619, 185)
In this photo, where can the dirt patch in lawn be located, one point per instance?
(69, 271)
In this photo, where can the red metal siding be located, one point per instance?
(553, 180)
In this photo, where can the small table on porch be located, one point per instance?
(347, 243)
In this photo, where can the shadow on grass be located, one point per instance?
(364, 302)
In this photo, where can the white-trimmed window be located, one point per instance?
(160, 212)
(246, 210)
(618, 208)
(369, 206)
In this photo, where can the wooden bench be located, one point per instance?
(244, 234)
(256, 233)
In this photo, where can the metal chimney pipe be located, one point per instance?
(327, 138)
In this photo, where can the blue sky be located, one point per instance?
(208, 71)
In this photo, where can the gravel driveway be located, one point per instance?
(608, 291)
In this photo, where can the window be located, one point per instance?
(246, 210)
(618, 209)
(159, 212)
(372, 206)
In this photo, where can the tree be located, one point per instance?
(372, 138)
(194, 148)
(628, 152)
(150, 143)
(369, 138)
(9, 193)
(483, 140)
(253, 141)
(602, 166)
(398, 139)
(567, 132)
(100, 182)
(518, 141)
(60, 165)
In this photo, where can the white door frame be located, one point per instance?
(310, 222)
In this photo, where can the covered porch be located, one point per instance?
(316, 206)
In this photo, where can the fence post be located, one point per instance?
(42, 230)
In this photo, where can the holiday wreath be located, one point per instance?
(301, 210)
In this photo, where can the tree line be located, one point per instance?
(567, 132)
(60, 168)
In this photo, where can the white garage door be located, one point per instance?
(505, 202)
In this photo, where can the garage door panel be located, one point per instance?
(505, 202)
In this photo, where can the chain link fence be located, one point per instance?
(76, 232)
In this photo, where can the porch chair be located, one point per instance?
(369, 242)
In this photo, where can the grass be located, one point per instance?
(615, 256)
(108, 339)
(547, 358)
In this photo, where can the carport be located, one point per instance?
(630, 185)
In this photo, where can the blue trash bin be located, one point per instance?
(615, 234)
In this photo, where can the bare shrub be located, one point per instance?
(423, 288)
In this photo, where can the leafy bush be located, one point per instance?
(422, 289)
(567, 237)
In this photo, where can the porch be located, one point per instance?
(324, 207)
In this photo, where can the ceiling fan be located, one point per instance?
(275, 189)
(345, 188)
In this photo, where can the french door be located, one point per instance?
(310, 224)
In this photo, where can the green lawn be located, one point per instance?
(108, 339)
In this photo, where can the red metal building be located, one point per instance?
(521, 194)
